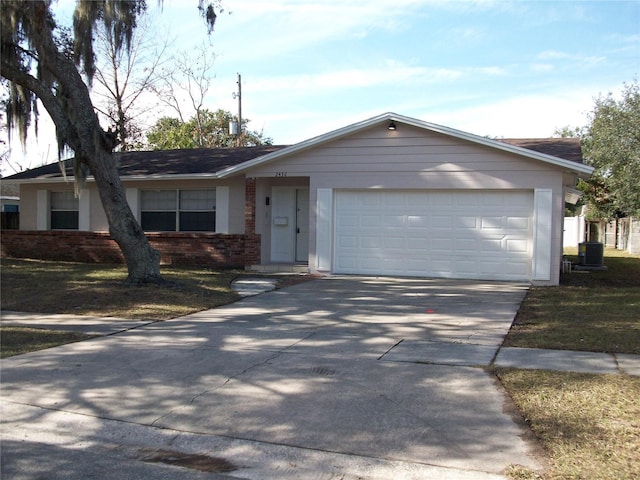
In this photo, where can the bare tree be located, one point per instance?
(124, 76)
(187, 82)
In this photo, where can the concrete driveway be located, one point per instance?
(339, 377)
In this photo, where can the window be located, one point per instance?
(64, 211)
(158, 210)
(178, 210)
(198, 210)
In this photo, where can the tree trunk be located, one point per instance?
(143, 262)
(61, 88)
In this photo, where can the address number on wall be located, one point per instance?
(281, 174)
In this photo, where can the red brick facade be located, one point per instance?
(194, 249)
(214, 250)
(250, 206)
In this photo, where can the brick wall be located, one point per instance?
(189, 249)
(250, 205)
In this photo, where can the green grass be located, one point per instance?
(97, 289)
(18, 340)
(594, 311)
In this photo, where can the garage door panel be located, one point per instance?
(466, 246)
(491, 245)
(441, 221)
(394, 243)
(517, 246)
(441, 245)
(347, 242)
(492, 223)
(395, 220)
(371, 221)
(518, 223)
(463, 222)
(348, 220)
(454, 234)
(370, 242)
(417, 221)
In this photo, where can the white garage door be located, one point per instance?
(451, 234)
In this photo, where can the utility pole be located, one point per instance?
(238, 95)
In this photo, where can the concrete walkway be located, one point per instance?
(334, 378)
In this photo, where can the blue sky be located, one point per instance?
(510, 69)
(497, 68)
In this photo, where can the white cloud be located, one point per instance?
(553, 55)
(356, 78)
(542, 67)
(257, 29)
(520, 116)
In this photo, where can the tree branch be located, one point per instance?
(46, 96)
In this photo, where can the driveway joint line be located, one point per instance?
(391, 348)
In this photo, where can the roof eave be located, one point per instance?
(165, 176)
(124, 178)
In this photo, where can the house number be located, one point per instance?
(281, 174)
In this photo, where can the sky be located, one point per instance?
(494, 68)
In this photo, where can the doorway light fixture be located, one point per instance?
(392, 125)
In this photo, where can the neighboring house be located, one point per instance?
(620, 233)
(9, 197)
(390, 195)
(9, 206)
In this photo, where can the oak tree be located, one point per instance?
(43, 62)
(206, 129)
(611, 144)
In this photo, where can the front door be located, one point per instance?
(289, 224)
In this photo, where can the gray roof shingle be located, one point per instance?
(163, 162)
(211, 160)
(566, 148)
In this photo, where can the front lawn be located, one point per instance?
(18, 340)
(596, 311)
(97, 289)
(588, 424)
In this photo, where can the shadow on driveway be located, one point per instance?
(363, 367)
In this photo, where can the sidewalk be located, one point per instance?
(568, 361)
(513, 357)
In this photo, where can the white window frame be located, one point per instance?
(176, 210)
(68, 195)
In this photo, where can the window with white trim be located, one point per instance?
(178, 210)
(63, 210)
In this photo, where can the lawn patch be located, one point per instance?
(19, 340)
(98, 290)
(596, 311)
(588, 424)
